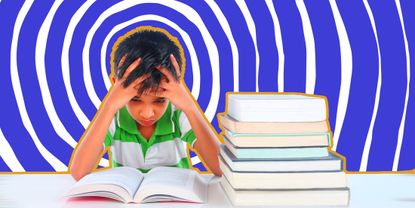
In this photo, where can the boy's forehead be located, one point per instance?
(150, 95)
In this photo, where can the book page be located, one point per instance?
(117, 180)
(181, 184)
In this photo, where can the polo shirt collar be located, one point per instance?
(164, 125)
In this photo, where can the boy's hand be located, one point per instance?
(119, 96)
(173, 90)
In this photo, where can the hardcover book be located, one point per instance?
(277, 107)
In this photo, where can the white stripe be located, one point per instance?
(310, 48)
(118, 119)
(346, 72)
(173, 108)
(195, 160)
(184, 123)
(278, 42)
(90, 89)
(252, 30)
(408, 78)
(14, 72)
(112, 127)
(41, 41)
(127, 154)
(193, 143)
(187, 40)
(234, 48)
(160, 154)
(6, 152)
(83, 119)
(368, 142)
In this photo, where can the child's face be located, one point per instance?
(147, 109)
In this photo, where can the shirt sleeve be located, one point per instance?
(186, 130)
(110, 134)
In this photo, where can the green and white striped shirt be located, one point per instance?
(166, 147)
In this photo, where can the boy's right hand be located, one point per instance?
(118, 96)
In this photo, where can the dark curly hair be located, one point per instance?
(154, 46)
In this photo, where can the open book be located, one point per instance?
(127, 184)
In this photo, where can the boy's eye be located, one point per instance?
(135, 99)
(161, 101)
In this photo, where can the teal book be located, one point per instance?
(276, 152)
(321, 164)
(316, 139)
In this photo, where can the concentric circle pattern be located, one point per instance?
(361, 55)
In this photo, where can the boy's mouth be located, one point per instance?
(147, 122)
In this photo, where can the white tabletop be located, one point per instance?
(46, 190)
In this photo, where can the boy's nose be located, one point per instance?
(147, 112)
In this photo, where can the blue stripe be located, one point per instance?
(95, 53)
(407, 156)
(75, 57)
(192, 154)
(385, 132)
(294, 46)
(30, 86)
(105, 156)
(3, 166)
(363, 85)
(11, 124)
(200, 166)
(328, 62)
(268, 66)
(13, 130)
(245, 45)
(54, 75)
(22, 144)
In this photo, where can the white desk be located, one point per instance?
(45, 190)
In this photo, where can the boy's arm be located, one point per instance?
(207, 143)
(87, 153)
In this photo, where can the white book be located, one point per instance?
(283, 180)
(323, 164)
(277, 107)
(292, 197)
(127, 184)
(272, 127)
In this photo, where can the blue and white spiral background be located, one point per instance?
(360, 54)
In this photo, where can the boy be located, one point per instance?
(148, 116)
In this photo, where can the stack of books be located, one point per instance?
(276, 152)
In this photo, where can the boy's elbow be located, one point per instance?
(77, 175)
(216, 169)
(217, 172)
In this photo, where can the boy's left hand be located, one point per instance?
(173, 90)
